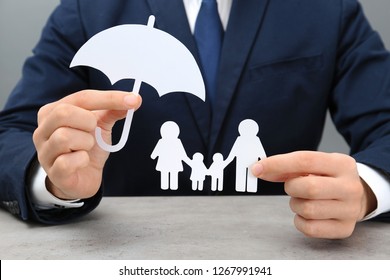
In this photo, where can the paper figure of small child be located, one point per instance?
(198, 172)
(216, 172)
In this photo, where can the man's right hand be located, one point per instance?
(65, 139)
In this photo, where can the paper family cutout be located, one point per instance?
(147, 54)
(247, 149)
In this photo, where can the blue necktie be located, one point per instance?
(208, 36)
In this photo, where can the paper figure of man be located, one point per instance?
(247, 149)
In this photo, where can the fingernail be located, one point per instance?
(131, 100)
(257, 169)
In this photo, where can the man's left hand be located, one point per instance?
(327, 194)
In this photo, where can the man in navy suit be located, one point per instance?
(283, 64)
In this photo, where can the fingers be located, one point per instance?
(322, 209)
(329, 229)
(281, 168)
(331, 219)
(324, 218)
(67, 164)
(65, 140)
(319, 187)
(79, 111)
(68, 180)
(93, 100)
(66, 115)
(325, 207)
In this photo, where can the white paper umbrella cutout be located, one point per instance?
(145, 54)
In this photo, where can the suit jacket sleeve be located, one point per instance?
(360, 104)
(45, 79)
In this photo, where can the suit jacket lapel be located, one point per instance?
(244, 22)
(171, 17)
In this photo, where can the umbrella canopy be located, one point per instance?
(143, 53)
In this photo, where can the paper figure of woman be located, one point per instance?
(171, 154)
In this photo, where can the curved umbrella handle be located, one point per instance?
(125, 131)
(124, 136)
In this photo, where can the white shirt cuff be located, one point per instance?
(42, 199)
(380, 185)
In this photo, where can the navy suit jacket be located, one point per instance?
(284, 63)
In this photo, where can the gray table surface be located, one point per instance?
(183, 228)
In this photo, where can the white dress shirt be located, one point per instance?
(193, 6)
(379, 183)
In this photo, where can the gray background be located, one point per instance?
(21, 22)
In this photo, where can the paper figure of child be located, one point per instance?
(171, 154)
(216, 172)
(247, 149)
(198, 172)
